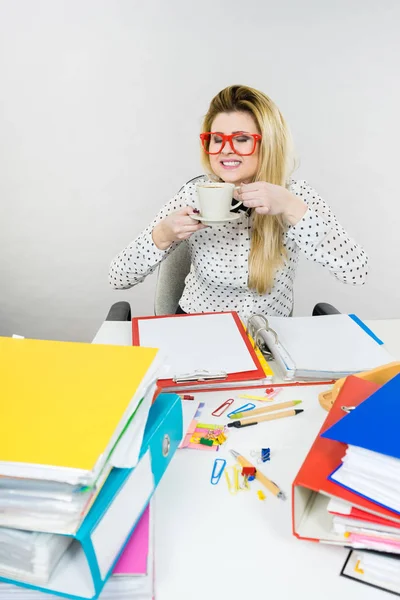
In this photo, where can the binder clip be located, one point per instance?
(248, 471)
(218, 469)
(218, 412)
(263, 455)
(205, 442)
(244, 408)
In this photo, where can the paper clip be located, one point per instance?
(244, 408)
(234, 485)
(218, 412)
(228, 483)
(218, 469)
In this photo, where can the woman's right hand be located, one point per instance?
(176, 227)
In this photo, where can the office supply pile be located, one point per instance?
(242, 473)
(198, 435)
(78, 439)
(347, 492)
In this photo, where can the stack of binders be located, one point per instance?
(348, 490)
(82, 449)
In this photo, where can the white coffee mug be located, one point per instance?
(215, 200)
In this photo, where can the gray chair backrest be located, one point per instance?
(171, 280)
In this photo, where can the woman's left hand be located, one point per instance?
(270, 199)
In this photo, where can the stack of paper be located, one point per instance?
(30, 556)
(361, 529)
(372, 475)
(371, 466)
(377, 570)
(328, 347)
(70, 413)
(370, 469)
(133, 575)
(349, 494)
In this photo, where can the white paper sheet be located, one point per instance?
(332, 343)
(209, 342)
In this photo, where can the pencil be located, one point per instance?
(256, 420)
(265, 409)
(270, 485)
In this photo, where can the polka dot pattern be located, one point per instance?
(219, 271)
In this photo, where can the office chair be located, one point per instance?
(169, 288)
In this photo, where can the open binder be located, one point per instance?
(200, 349)
(328, 347)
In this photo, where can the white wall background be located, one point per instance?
(100, 108)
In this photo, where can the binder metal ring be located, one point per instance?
(256, 336)
(166, 445)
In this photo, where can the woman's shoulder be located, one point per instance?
(301, 187)
(298, 186)
(191, 184)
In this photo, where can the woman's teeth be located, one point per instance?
(230, 163)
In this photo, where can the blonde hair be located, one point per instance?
(267, 252)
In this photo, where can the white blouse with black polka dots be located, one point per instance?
(219, 255)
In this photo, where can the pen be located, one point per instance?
(266, 409)
(270, 485)
(256, 420)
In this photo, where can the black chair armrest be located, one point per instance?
(322, 308)
(120, 311)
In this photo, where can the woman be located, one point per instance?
(249, 264)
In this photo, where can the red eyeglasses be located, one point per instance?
(243, 144)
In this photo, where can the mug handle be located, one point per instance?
(237, 187)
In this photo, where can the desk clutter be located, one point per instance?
(79, 461)
(239, 475)
(347, 491)
(88, 431)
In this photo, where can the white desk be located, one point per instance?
(210, 543)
